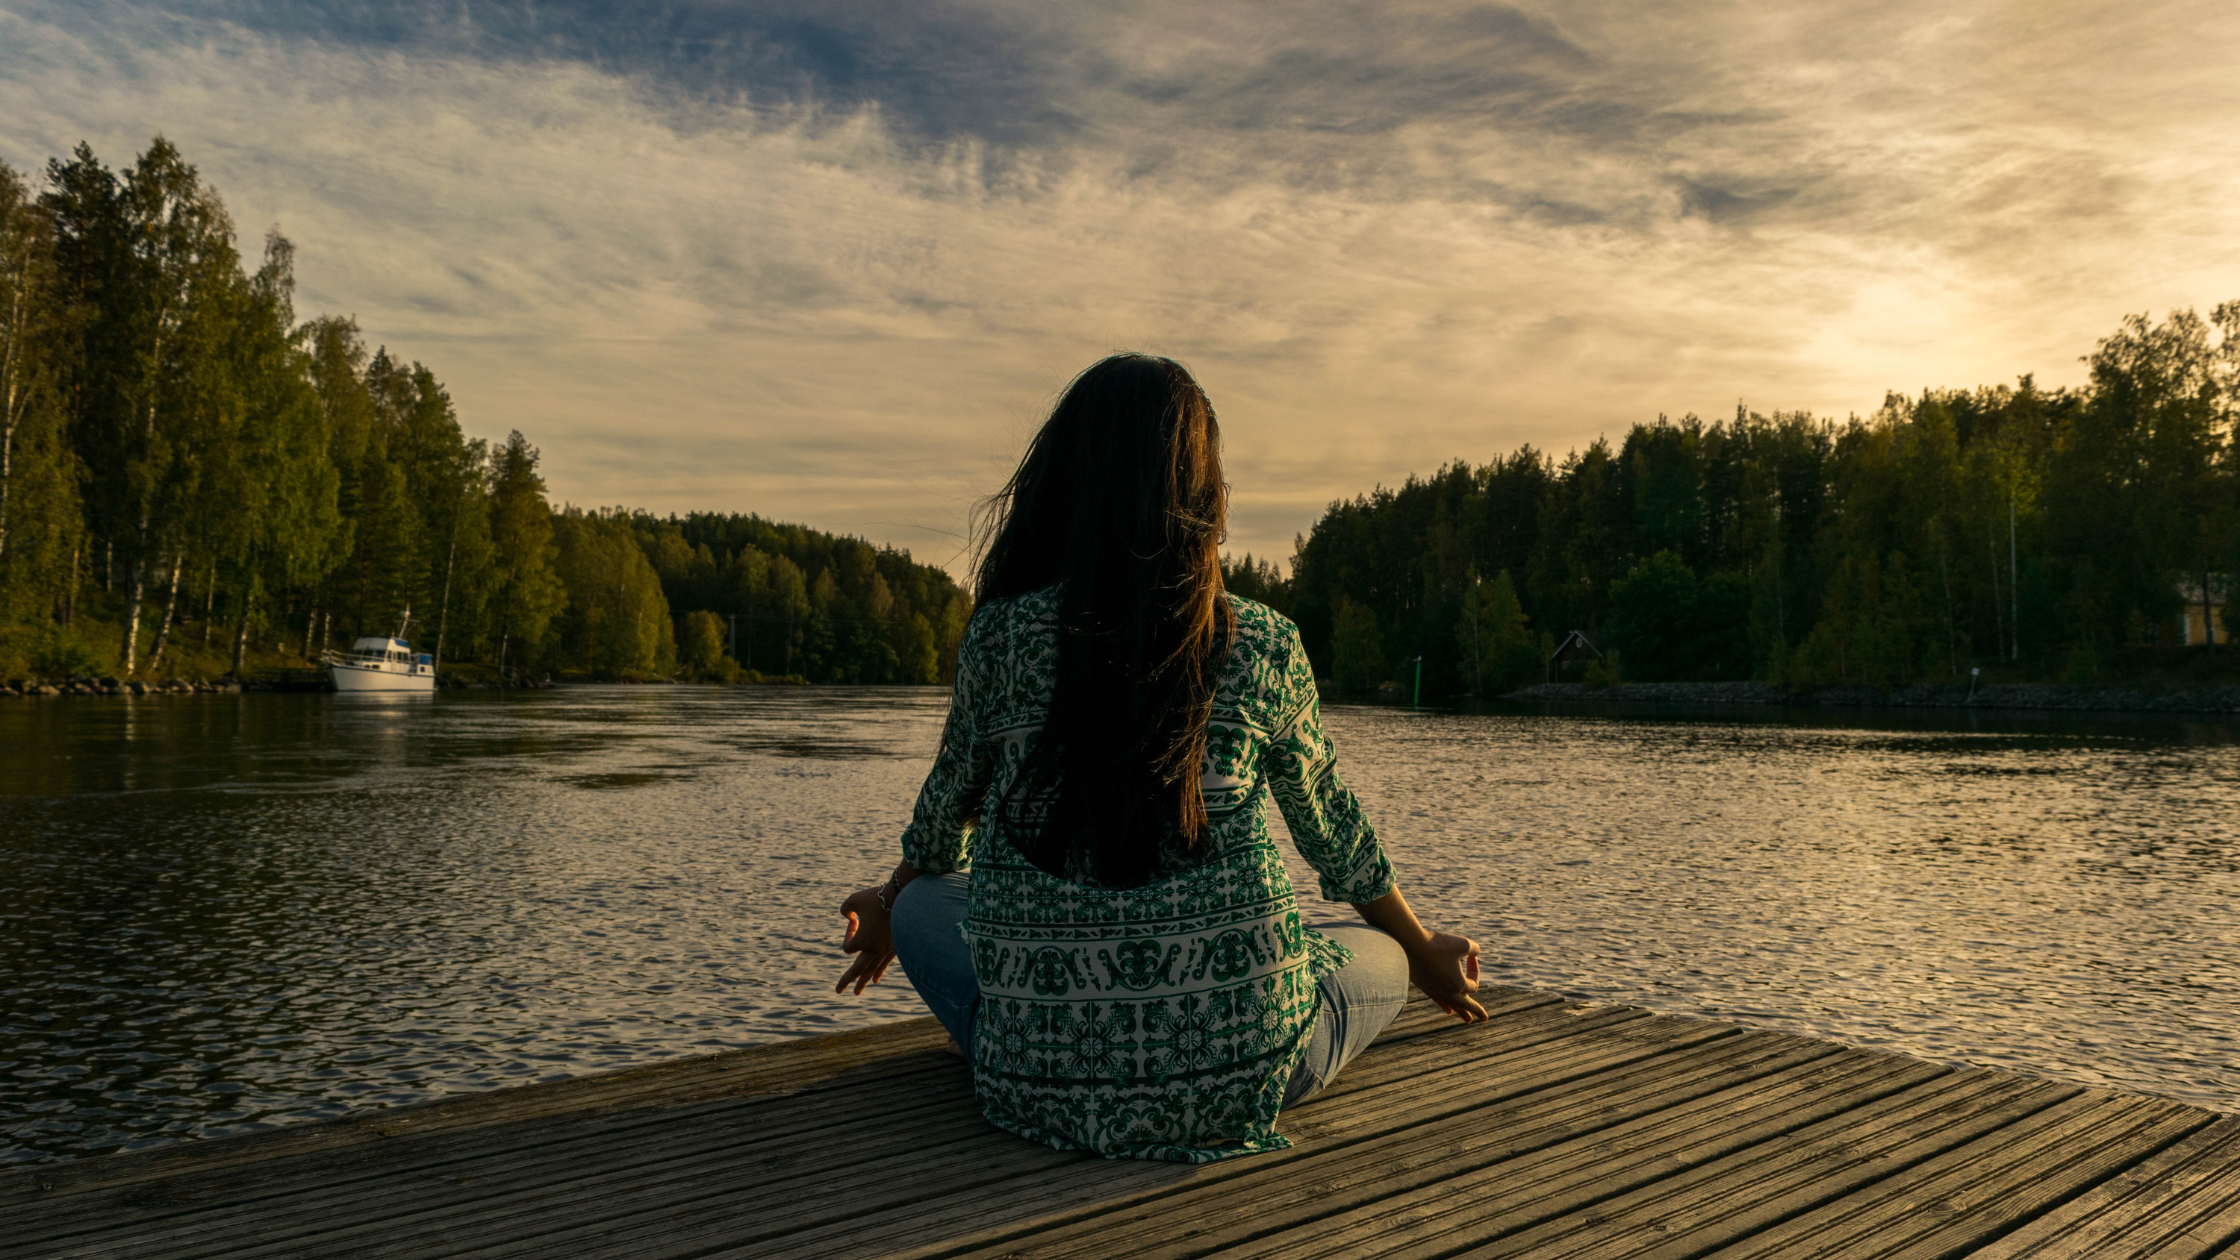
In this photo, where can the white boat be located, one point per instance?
(382, 664)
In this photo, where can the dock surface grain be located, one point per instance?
(1555, 1129)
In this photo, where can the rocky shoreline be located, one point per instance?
(2049, 696)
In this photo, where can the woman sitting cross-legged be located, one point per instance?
(1089, 899)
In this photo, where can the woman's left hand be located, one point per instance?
(870, 938)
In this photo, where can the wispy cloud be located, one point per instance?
(831, 261)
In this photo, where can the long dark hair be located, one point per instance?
(1120, 499)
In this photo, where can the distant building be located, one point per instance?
(1578, 647)
(2195, 625)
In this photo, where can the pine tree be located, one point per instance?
(528, 591)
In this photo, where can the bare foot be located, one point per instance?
(954, 1048)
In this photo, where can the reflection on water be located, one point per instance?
(222, 912)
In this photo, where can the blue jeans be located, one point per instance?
(1358, 1000)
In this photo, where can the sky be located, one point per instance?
(833, 262)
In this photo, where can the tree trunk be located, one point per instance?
(2208, 627)
(310, 628)
(443, 606)
(209, 604)
(7, 459)
(241, 630)
(134, 598)
(12, 404)
(1998, 614)
(505, 637)
(170, 605)
(69, 611)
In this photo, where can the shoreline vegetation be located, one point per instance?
(195, 487)
(1998, 538)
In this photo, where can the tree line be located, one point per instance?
(2074, 534)
(190, 479)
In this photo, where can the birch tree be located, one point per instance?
(149, 260)
(38, 491)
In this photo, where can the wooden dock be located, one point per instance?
(1555, 1129)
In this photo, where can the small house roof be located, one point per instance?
(1580, 643)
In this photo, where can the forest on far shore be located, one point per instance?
(2077, 535)
(195, 484)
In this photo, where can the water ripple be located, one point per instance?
(222, 913)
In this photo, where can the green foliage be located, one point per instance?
(63, 653)
(187, 474)
(1495, 639)
(1603, 671)
(616, 621)
(173, 442)
(1359, 651)
(39, 506)
(1675, 625)
(700, 648)
(528, 592)
(2038, 534)
(1257, 580)
(831, 608)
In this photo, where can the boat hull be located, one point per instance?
(363, 678)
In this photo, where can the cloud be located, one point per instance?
(830, 262)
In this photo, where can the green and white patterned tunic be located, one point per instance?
(1158, 1022)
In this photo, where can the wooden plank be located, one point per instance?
(781, 1145)
(1553, 1130)
(396, 1183)
(696, 1215)
(768, 1069)
(2184, 1204)
(1738, 1190)
(457, 1163)
(1507, 1197)
(1966, 1197)
(1420, 1149)
(958, 1225)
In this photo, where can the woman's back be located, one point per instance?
(1160, 1020)
(1125, 964)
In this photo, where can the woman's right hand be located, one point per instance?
(1445, 967)
(870, 938)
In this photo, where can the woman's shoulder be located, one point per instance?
(1260, 675)
(1261, 628)
(1009, 612)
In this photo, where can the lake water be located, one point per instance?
(227, 912)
